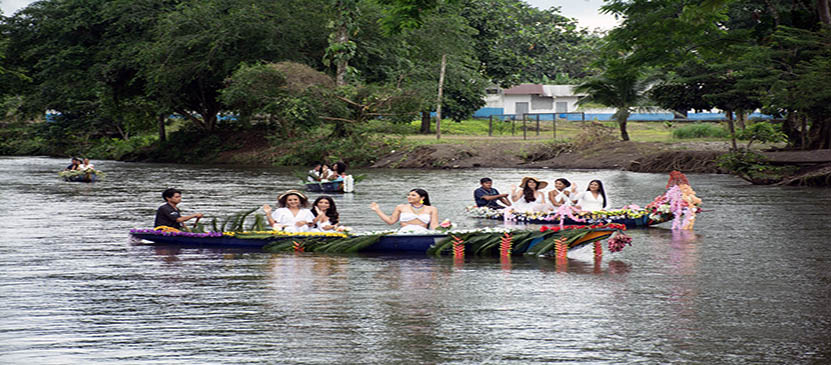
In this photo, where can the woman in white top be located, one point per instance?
(528, 197)
(416, 215)
(559, 196)
(326, 214)
(87, 165)
(594, 198)
(292, 215)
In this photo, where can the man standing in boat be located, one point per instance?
(169, 215)
(487, 196)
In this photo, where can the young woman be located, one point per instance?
(292, 215)
(338, 171)
(594, 198)
(528, 197)
(326, 215)
(560, 194)
(416, 215)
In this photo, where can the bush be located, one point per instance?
(700, 130)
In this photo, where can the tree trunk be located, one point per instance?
(793, 133)
(441, 87)
(824, 11)
(732, 129)
(622, 118)
(741, 118)
(161, 117)
(425, 123)
(804, 134)
(340, 73)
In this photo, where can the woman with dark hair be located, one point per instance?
(338, 170)
(326, 214)
(594, 198)
(416, 215)
(292, 215)
(528, 197)
(560, 194)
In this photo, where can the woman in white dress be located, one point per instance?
(559, 196)
(292, 215)
(528, 197)
(326, 215)
(416, 215)
(594, 198)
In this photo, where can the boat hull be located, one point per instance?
(643, 221)
(325, 187)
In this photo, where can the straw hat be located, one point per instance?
(540, 184)
(292, 191)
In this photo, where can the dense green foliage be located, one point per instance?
(699, 130)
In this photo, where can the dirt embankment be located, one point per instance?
(635, 156)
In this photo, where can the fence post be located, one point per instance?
(538, 124)
(554, 125)
(524, 126)
(513, 125)
(490, 125)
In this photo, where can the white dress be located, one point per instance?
(323, 223)
(283, 217)
(561, 196)
(588, 202)
(522, 205)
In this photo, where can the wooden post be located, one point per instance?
(554, 125)
(538, 124)
(441, 85)
(524, 127)
(490, 126)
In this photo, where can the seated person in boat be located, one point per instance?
(86, 165)
(487, 196)
(326, 215)
(594, 198)
(169, 214)
(416, 215)
(291, 214)
(561, 193)
(75, 164)
(338, 171)
(528, 197)
(314, 174)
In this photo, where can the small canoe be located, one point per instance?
(72, 176)
(630, 218)
(325, 187)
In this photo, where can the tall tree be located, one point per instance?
(621, 85)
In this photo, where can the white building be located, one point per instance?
(530, 98)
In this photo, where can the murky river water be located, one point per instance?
(750, 285)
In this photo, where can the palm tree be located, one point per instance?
(621, 86)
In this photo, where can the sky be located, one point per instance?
(585, 11)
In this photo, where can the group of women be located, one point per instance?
(294, 215)
(529, 197)
(322, 172)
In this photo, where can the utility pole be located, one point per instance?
(441, 85)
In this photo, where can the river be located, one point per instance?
(751, 284)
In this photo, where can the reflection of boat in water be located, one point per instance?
(345, 185)
(679, 201)
(79, 176)
(475, 242)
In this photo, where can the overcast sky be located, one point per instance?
(585, 11)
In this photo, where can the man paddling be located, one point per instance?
(487, 196)
(169, 215)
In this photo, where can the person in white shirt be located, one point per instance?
(292, 215)
(594, 198)
(560, 194)
(87, 165)
(528, 197)
(326, 214)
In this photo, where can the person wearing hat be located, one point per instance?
(528, 197)
(291, 214)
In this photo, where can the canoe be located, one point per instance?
(78, 177)
(325, 187)
(520, 241)
(631, 218)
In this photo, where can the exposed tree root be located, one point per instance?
(686, 161)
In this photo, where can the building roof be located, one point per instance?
(525, 89)
(559, 90)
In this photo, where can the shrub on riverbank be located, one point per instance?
(700, 130)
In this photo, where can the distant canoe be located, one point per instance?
(79, 176)
(345, 185)
(631, 218)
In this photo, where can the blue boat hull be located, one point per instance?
(325, 187)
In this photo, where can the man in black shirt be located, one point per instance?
(169, 215)
(487, 196)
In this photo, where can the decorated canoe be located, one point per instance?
(79, 176)
(325, 187)
(487, 241)
(678, 204)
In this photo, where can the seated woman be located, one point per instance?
(86, 165)
(559, 196)
(292, 215)
(416, 215)
(338, 171)
(594, 198)
(528, 197)
(326, 215)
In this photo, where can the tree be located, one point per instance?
(621, 85)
